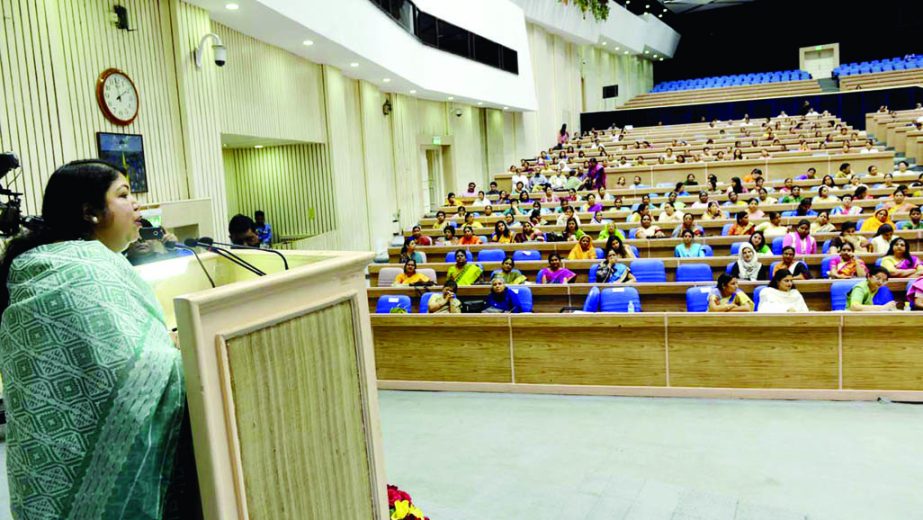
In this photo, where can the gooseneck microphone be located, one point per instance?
(224, 253)
(210, 240)
(173, 245)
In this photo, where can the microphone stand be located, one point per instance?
(233, 246)
(226, 254)
(174, 245)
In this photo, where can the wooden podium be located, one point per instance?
(280, 376)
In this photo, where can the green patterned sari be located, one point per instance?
(93, 387)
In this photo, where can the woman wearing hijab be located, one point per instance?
(781, 295)
(881, 218)
(748, 266)
(584, 250)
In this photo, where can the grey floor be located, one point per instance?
(494, 456)
(520, 457)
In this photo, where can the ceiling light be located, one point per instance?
(258, 146)
(480, 103)
(627, 2)
(647, 52)
(661, 59)
(413, 91)
(450, 98)
(232, 7)
(387, 80)
(647, 6)
(664, 9)
(307, 43)
(353, 64)
(604, 43)
(660, 15)
(618, 48)
(655, 56)
(506, 108)
(626, 52)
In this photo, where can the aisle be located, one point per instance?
(511, 457)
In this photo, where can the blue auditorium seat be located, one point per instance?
(450, 256)
(777, 245)
(633, 233)
(756, 297)
(591, 277)
(591, 304)
(726, 229)
(840, 289)
(616, 299)
(525, 296)
(693, 273)
(387, 302)
(599, 253)
(826, 247)
(526, 255)
(649, 270)
(707, 249)
(490, 255)
(730, 267)
(424, 302)
(697, 298)
(825, 266)
(634, 250)
(735, 247)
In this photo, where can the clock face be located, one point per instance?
(117, 97)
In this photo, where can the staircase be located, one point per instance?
(828, 85)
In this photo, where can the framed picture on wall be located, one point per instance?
(125, 151)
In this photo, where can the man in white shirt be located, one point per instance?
(519, 177)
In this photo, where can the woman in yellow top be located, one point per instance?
(584, 250)
(410, 276)
(713, 212)
(501, 234)
(463, 273)
(727, 297)
(871, 225)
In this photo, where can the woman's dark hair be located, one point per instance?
(723, 281)
(803, 222)
(73, 190)
(884, 228)
(506, 229)
(512, 262)
(553, 255)
(524, 196)
(687, 231)
(824, 181)
(463, 253)
(778, 276)
(563, 129)
(407, 262)
(741, 215)
(567, 225)
(620, 248)
(906, 247)
(786, 248)
(447, 229)
(468, 228)
(860, 192)
(450, 284)
(737, 185)
(762, 239)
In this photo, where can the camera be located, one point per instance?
(221, 54)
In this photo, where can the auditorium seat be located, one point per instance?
(693, 273)
(527, 255)
(735, 247)
(424, 302)
(825, 266)
(777, 244)
(388, 274)
(826, 247)
(525, 296)
(756, 297)
(591, 276)
(697, 298)
(617, 299)
(707, 249)
(491, 255)
(649, 270)
(591, 304)
(387, 303)
(840, 289)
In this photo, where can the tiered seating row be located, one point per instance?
(896, 78)
(733, 80)
(713, 95)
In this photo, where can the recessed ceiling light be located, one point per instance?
(480, 103)
(258, 146)
(655, 56)
(387, 80)
(626, 52)
(661, 59)
(618, 48)
(413, 91)
(506, 108)
(450, 98)
(647, 6)
(232, 7)
(307, 43)
(604, 43)
(647, 52)
(627, 2)
(353, 64)
(660, 15)
(664, 9)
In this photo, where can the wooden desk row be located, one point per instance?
(655, 248)
(773, 168)
(731, 93)
(814, 355)
(893, 78)
(581, 268)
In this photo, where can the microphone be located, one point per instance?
(210, 240)
(169, 244)
(224, 253)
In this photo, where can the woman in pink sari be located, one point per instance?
(801, 239)
(554, 273)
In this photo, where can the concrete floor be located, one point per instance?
(467, 456)
(521, 457)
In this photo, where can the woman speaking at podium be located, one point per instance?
(93, 383)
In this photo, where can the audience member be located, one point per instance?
(781, 295)
(647, 229)
(463, 272)
(801, 239)
(758, 241)
(862, 296)
(242, 231)
(501, 298)
(899, 262)
(446, 302)
(584, 249)
(448, 238)
(610, 270)
(410, 275)
(727, 297)
(409, 252)
(501, 233)
(915, 295)
(798, 268)
(847, 265)
(742, 226)
(509, 273)
(554, 273)
(617, 244)
(822, 223)
(688, 248)
(748, 266)
(468, 238)
(263, 228)
(882, 240)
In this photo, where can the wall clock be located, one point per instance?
(117, 97)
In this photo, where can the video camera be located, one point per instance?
(10, 211)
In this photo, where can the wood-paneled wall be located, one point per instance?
(268, 92)
(51, 53)
(291, 183)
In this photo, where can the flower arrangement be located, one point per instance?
(401, 505)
